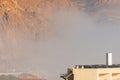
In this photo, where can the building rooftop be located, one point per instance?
(97, 66)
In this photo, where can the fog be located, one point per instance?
(77, 38)
(51, 55)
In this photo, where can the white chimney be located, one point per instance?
(108, 59)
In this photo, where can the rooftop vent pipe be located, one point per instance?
(108, 59)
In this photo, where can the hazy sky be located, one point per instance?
(84, 39)
(81, 40)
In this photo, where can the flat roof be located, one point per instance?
(98, 66)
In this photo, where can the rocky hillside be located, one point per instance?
(18, 19)
(22, 21)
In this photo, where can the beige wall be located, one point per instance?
(85, 74)
(109, 74)
(97, 74)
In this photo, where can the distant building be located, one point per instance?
(94, 72)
